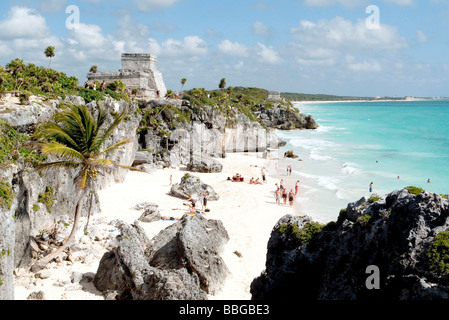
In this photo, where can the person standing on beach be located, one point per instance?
(371, 187)
(281, 184)
(291, 198)
(264, 172)
(284, 195)
(204, 202)
(296, 187)
(277, 196)
(170, 180)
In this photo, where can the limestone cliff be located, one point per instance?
(378, 249)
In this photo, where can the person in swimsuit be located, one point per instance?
(204, 201)
(277, 196)
(284, 195)
(291, 197)
(296, 187)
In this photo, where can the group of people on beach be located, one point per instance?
(191, 203)
(281, 192)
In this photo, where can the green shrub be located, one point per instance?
(373, 199)
(306, 234)
(47, 198)
(414, 190)
(6, 194)
(438, 253)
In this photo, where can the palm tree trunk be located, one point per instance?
(39, 265)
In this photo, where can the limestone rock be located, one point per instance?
(204, 164)
(393, 234)
(151, 214)
(191, 185)
(196, 244)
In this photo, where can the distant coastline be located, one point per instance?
(363, 100)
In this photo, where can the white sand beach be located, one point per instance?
(248, 212)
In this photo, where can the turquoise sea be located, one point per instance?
(392, 144)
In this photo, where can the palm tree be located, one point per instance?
(49, 53)
(77, 137)
(183, 82)
(222, 84)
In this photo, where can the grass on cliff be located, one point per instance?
(306, 234)
(438, 253)
(29, 79)
(13, 146)
(233, 100)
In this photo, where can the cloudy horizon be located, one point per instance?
(353, 48)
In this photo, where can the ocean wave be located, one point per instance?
(327, 182)
(314, 156)
(311, 143)
(348, 169)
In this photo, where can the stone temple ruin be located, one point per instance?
(139, 72)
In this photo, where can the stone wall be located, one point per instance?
(139, 71)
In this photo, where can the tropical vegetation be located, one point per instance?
(76, 137)
(29, 79)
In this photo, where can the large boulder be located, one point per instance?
(204, 164)
(181, 262)
(192, 185)
(393, 236)
(126, 272)
(195, 243)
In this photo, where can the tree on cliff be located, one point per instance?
(222, 84)
(49, 53)
(183, 82)
(76, 137)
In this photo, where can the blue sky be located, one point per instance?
(310, 46)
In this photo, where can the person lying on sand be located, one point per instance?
(169, 218)
(257, 181)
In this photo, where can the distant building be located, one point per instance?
(139, 71)
(408, 98)
(274, 95)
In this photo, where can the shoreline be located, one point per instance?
(248, 217)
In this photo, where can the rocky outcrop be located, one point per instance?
(378, 249)
(285, 119)
(209, 133)
(174, 265)
(192, 186)
(204, 164)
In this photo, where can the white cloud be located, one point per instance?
(325, 3)
(233, 48)
(365, 66)
(150, 5)
(268, 54)
(421, 36)
(88, 36)
(190, 46)
(341, 34)
(52, 5)
(401, 2)
(259, 28)
(23, 23)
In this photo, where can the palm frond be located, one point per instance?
(116, 145)
(101, 162)
(60, 150)
(83, 178)
(57, 164)
(101, 138)
(51, 130)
